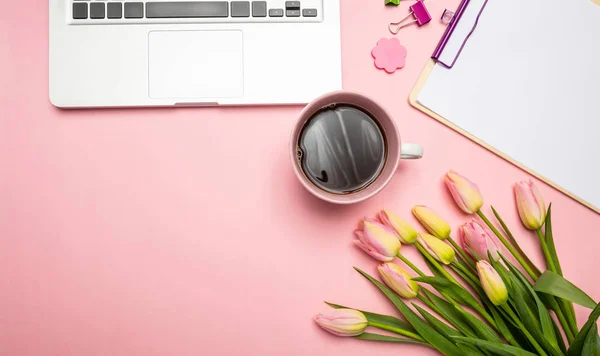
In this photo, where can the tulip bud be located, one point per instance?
(398, 280)
(492, 283)
(432, 222)
(478, 240)
(406, 233)
(342, 322)
(465, 193)
(530, 204)
(377, 240)
(437, 248)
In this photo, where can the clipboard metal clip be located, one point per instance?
(418, 11)
(452, 42)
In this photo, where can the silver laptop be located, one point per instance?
(106, 53)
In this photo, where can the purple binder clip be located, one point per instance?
(420, 14)
(450, 59)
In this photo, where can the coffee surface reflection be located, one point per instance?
(342, 149)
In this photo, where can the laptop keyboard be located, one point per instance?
(109, 12)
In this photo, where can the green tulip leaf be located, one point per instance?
(433, 268)
(483, 330)
(433, 337)
(516, 331)
(534, 320)
(566, 307)
(450, 313)
(464, 321)
(380, 319)
(436, 270)
(561, 342)
(441, 327)
(444, 329)
(517, 287)
(385, 338)
(496, 347)
(577, 346)
(452, 289)
(591, 345)
(551, 303)
(553, 284)
(501, 324)
(550, 241)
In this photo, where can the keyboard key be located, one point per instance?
(80, 11)
(157, 10)
(97, 10)
(259, 9)
(292, 13)
(134, 10)
(292, 5)
(309, 12)
(276, 12)
(240, 9)
(114, 10)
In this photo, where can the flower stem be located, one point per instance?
(523, 329)
(479, 309)
(435, 263)
(462, 253)
(514, 242)
(510, 248)
(467, 279)
(486, 316)
(464, 270)
(569, 313)
(396, 330)
(562, 310)
(439, 312)
(429, 304)
(549, 259)
(564, 323)
(411, 265)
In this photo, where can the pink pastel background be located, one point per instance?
(146, 232)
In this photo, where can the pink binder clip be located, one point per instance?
(418, 11)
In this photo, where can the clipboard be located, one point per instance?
(423, 79)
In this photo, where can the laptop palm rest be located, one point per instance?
(195, 65)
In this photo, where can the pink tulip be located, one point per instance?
(406, 233)
(478, 240)
(530, 204)
(465, 193)
(342, 322)
(378, 240)
(398, 280)
(437, 248)
(432, 222)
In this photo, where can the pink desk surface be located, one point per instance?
(145, 232)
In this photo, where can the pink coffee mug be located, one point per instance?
(395, 149)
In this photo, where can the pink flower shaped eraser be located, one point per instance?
(389, 54)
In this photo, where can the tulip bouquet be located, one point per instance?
(475, 301)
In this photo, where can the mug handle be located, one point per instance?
(411, 151)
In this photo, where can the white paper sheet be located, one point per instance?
(528, 84)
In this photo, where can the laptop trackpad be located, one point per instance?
(195, 64)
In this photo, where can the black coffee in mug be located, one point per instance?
(342, 149)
